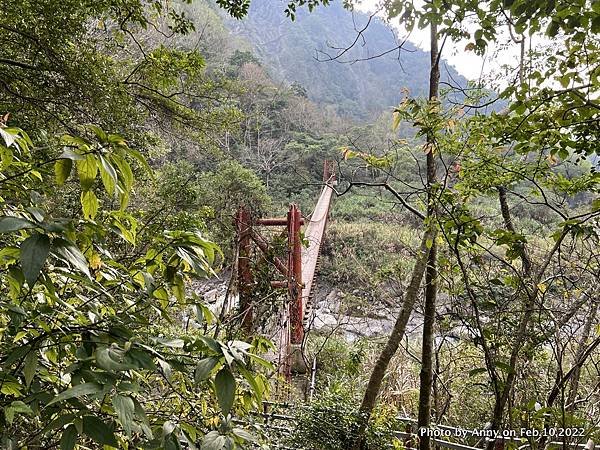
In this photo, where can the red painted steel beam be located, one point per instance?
(243, 224)
(297, 308)
(274, 222)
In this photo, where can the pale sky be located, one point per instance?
(466, 62)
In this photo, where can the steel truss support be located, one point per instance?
(291, 269)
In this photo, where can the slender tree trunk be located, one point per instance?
(426, 375)
(502, 398)
(410, 297)
(437, 408)
(521, 333)
(425, 264)
(581, 347)
(572, 376)
(503, 395)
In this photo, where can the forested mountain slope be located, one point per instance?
(358, 83)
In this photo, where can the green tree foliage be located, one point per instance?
(239, 8)
(507, 282)
(502, 154)
(224, 190)
(109, 63)
(553, 103)
(88, 342)
(94, 274)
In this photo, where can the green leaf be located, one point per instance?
(34, 251)
(519, 108)
(256, 388)
(68, 438)
(77, 391)
(16, 354)
(126, 228)
(125, 171)
(10, 223)
(62, 170)
(89, 203)
(171, 343)
(166, 368)
(31, 363)
(108, 175)
(87, 170)
(143, 418)
(20, 335)
(125, 409)
(212, 344)
(123, 199)
(99, 132)
(504, 367)
(70, 154)
(10, 388)
(246, 436)
(564, 80)
(111, 360)
(477, 371)
(14, 408)
(58, 423)
(261, 361)
(73, 140)
(140, 158)
(204, 367)
(99, 431)
(141, 359)
(203, 313)
(213, 441)
(178, 288)
(160, 294)
(69, 252)
(225, 389)
(37, 213)
(191, 431)
(6, 157)
(9, 255)
(116, 139)
(552, 29)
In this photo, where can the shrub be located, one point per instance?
(331, 423)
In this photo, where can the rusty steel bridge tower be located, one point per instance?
(297, 270)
